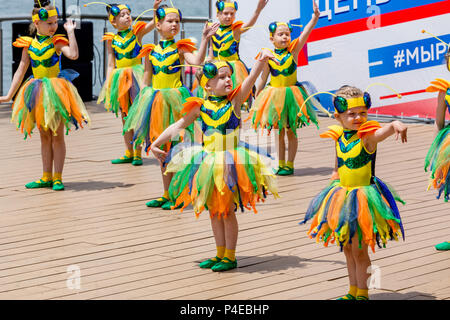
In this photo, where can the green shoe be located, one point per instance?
(278, 170)
(208, 264)
(156, 203)
(124, 159)
(443, 246)
(58, 185)
(39, 184)
(286, 171)
(362, 298)
(169, 204)
(137, 161)
(224, 265)
(347, 297)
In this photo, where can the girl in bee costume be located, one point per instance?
(48, 99)
(125, 73)
(160, 104)
(438, 157)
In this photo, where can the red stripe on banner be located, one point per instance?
(403, 94)
(420, 108)
(386, 19)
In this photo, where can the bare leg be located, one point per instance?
(46, 150)
(281, 146)
(128, 137)
(362, 260)
(59, 149)
(292, 145)
(231, 230)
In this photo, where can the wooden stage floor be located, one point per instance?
(101, 227)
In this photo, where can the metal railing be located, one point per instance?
(186, 20)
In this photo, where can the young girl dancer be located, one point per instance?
(438, 157)
(278, 104)
(160, 105)
(358, 209)
(223, 172)
(224, 44)
(125, 73)
(47, 99)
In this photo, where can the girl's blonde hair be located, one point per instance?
(349, 92)
(37, 6)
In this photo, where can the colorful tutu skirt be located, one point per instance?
(282, 107)
(121, 88)
(370, 212)
(46, 102)
(153, 111)
(438, 162)
(219, 181)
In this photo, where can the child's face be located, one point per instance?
(169, 26)
(47, 28)
(281, 37)
(353, 118)
(227, 16)
(123, 20)
(221, 84)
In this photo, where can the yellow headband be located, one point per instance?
(121, 7)
(356, 102)
(166, 12)
(51, 13)
(211, 69)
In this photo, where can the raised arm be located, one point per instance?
(307, 31)
(18, 76)
(171, 132)
(248, 83)
(199, 57)
(262, 80)
(70, 50)
(253, 19)
(149, 26)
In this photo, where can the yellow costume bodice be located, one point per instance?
(45, 61)
(126, 48)
(355, 163)
(220, 124)
(163, 58)
(285, 74)
(223, 40)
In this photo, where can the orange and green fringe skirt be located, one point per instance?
(46, 102)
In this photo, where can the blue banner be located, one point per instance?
(407, 56)
(340, 11)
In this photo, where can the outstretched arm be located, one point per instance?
(307, 31)
(395, 127)
(71, 50)
(151, 24)
(171, 132)
(18, 76)
(199, 57)
(248, 83)
(253, 19)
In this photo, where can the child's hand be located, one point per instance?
(159, 154)
(210, 30)
(157, 3)
(70, 25)
(265, 55)
(4, 99)
(316, 10)
(261, 4)
(400, 130)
